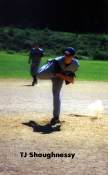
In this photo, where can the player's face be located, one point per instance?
(36, 46)
(68, 59)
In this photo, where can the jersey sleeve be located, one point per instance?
(41, 52)
(76, 63)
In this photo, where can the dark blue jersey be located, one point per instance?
(36, 54)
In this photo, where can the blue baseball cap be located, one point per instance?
(69, 51)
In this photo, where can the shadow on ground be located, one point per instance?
(28, 85)
(44, 129)
(77, 115)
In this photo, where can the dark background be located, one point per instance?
(72, 16)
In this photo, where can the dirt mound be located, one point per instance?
(86, 137)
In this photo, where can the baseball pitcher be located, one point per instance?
(59, 70)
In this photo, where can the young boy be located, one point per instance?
(34, 59)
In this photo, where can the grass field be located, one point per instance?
(16, 66)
